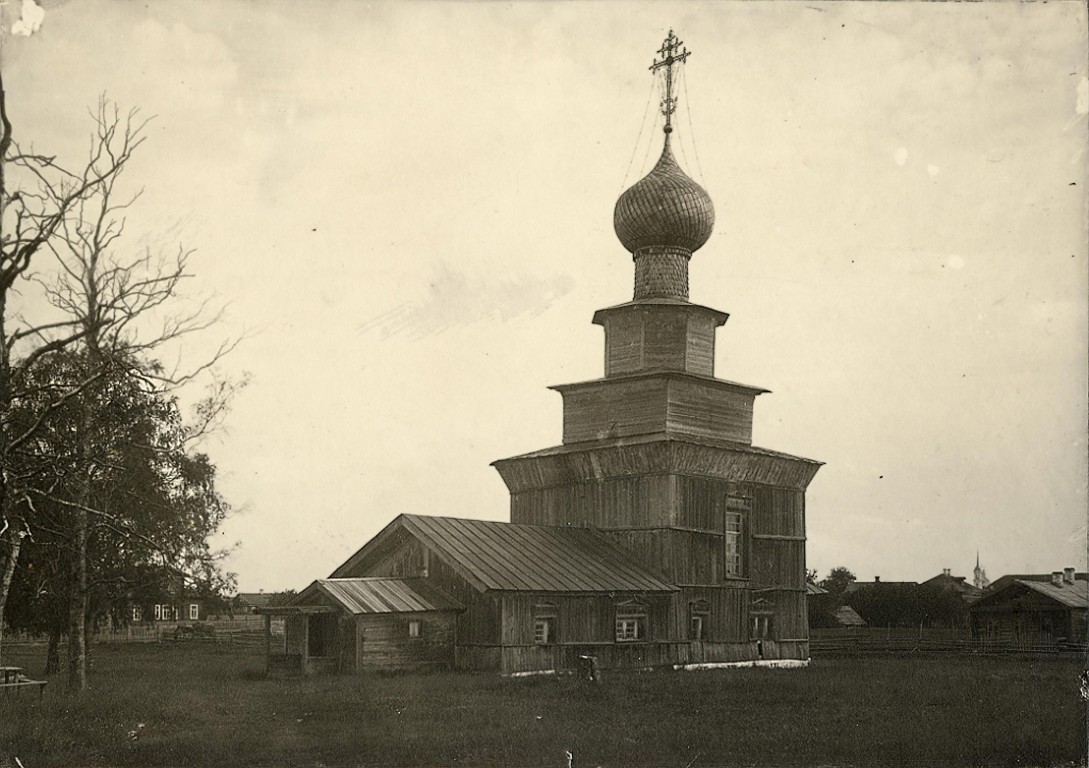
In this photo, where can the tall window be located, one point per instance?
(158, 612)
(544, 624)
(414, 629)
(194, 611)
(733, 555)
(761, 626)
(631, 622)
(699, 614)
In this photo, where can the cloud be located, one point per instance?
(31, 20)
(456, 299)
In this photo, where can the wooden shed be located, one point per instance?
(351, 625)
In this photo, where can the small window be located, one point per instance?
(761, 627)
(544, 623)
(699, 615)
(544, 631)
(631, 622)
(137, 614)
(194, 611)
(630, 629)
(414, 629)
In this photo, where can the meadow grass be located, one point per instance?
(182, 705)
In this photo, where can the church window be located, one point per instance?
(544, 624)
(733, 555)
(631, 622)
(761, 626)
(699, 615)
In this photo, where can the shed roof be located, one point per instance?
(382, 595)
(507, 556)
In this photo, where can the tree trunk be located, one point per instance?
(14, 538)
(77, 652)
(52, 654)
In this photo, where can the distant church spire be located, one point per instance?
(979, 575)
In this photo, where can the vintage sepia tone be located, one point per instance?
(309, 435)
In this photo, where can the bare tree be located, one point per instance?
(32, 212)
(113, 310)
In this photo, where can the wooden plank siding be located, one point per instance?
(675, 403)
(616, 502)
(656, 454)
(382, 641)
(703, 408)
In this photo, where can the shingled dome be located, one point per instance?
(664, 209)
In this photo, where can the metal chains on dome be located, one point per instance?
(639, 138)
(691, 131)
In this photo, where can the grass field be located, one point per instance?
(189, 704)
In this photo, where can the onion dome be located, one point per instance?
(665, 209)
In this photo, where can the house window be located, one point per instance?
(137, 614)
(761, 626)
(158, 612)
(699, 615)
(631, 622)
(414, 629)
(544, 623)
(194, 611)
(544, 631)
(733, 555)
(170, 613)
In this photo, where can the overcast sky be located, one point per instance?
(409, 208)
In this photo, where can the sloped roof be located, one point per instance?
(813, 589)
(382, 595)
(846, 616)
(1074, 595)
(506, 556)
(253, 599)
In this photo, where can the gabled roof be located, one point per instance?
(381, 595)
(253, 599)
(1071, 595)
(846, 616)
(505, 556)
(1074, 595)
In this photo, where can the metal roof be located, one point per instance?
(1074, 595)
(813, 589)
(661, 437)
(506, 556)
(383, 595)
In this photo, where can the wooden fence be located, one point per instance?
(242, 632)
(875, 641)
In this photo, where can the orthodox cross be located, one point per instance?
(672, 52)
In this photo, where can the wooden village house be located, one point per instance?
(1033, 609)
(656, 534)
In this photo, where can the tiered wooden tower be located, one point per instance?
(659, 454)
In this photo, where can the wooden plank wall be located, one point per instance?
(614, 409)
(703, 409)
(383, 642)
(620, 502)
(701, 344)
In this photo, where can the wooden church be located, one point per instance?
(655, 535)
